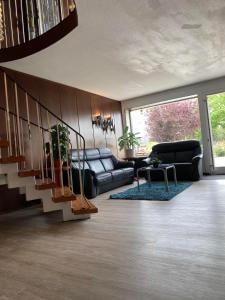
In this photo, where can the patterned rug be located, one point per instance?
(154, 192)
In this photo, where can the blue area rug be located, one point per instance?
(154, 192)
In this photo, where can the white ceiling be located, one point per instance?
(128, 48)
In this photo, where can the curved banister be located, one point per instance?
(27, 31)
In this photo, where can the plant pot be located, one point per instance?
(58, 165)
(129, 153)
(155, 165)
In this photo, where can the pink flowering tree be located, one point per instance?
(173, 121)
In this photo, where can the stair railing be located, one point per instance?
(28, 26)
(24, 20)
(28, 127)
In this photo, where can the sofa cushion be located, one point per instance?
(168, 157)
(129, 172)
(108, 164)
(105, 152)
(117, 174)
(103, 178)
(176, 146)
(92, 154)
(74, 155)
(96, 166)
(75, 165)
(183, 156)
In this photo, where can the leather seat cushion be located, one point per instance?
(108, 164)
(129, 172)
(184, 156)
(103, 178)
(118, 174)
(96, 166)
(166, 157)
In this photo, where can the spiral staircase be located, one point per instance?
(27, 150)
(28, 26)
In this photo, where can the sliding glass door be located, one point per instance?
(216, 124)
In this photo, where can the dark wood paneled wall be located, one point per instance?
(74, 106)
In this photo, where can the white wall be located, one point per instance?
(202, 89)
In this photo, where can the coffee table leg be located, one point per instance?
(175, 175)
(166, 180)
(138, 184)
(149, 178)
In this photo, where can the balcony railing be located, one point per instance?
(22, 21)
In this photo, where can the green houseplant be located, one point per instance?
(60, 140)
(155, 162)
(60, 137)
(128, 141)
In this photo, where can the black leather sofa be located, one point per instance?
(103, 171)
(185, 155)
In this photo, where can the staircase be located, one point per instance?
(32, 138)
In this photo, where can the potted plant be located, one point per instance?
(60, 140)
(155, 162)
(128, 141)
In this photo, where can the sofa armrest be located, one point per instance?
(197, 167)
(197, 158)
(124, 164)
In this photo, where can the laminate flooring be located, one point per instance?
(130, 250)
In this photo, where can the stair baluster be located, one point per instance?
(60, 159)
(8, 115)
(40, 142)
(18, 119)
(29, 132)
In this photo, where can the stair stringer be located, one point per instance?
(26, 186)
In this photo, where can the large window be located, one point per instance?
(173, 121)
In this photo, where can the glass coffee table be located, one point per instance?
(163, 168)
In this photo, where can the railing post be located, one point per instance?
(17, 20)
(79, 165)
(41, 142)
(15, 134)
(8, 115)
(51, 148)
(29, 131)
(18, 118)
(11, 24)
(60, 159)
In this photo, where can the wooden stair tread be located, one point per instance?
(59, 196)
(83, 206)
(12, 159)
(45, 184)
(29, 173)
(4, 144)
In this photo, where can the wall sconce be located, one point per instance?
(105, 123)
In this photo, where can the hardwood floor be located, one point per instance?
(132, 250)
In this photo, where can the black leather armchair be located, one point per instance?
(103, 171)
(185, 155)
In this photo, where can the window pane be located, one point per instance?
(168, 122)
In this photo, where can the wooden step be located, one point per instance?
(29, 173)
(83, 206)
(12, 159)
(4, 144)
(45, 185)
(60, 196)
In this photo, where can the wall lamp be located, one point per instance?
(105, 123)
